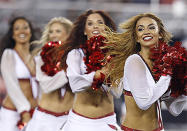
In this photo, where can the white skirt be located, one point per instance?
(8, 120)
(76, 122)
(42, 121)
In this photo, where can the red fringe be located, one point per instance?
(95, 58)
(50, 67)
(171, 60)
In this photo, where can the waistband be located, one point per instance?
(124, 128)
(8, 108)
(52, 113)
(81, 119)
(109, 114)
(24, 79)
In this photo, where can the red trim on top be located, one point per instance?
(113, 127)
(24, 79)
(160, 124)
(8, 108)
(52, 113)
(30, 111)
(124, 128)
(109, 114)
(128, 93)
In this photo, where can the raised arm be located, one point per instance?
(141, 84)
(49, 83)
(77, 79)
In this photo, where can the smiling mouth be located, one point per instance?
(96, 32)
(147, 38)
(22, 36)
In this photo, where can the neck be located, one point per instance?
(145, 52)
(22, 47)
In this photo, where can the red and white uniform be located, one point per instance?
(14, 69)
(79, 81)
(45, 120)
(77, 122)
(139, 81)
(42, 118)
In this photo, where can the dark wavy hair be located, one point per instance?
(7, 40)
(77, 37)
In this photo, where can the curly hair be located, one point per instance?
(77, 37)
(37, 45)
(122, 45)
(7, 40)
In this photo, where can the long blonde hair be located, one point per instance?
(122, 45)
(37, 45)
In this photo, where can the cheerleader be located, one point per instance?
(18, 72)
(56, 98)
(93, 109)
(132, 63)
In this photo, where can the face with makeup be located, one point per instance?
(57, 32)
(21, 31)
(147, 32)
(93, 25)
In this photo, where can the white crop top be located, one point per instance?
(145, 91)
(50, 83)
(79, 81)
(13, 68)
(139, 81)
(22, 71)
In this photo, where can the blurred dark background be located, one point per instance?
(172, 12)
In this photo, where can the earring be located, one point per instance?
(85, 33)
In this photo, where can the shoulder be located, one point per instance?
(134, 62)
(8, 57)
(74, 56)
(75, 52)
(133, 58)
(8, 52)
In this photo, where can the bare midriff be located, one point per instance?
(56, 103)
(139, 119)
(93, 104)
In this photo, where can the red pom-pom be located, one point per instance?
(171, 60)
(49, 67)
(94, 57)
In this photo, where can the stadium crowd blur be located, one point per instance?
(41, 11)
